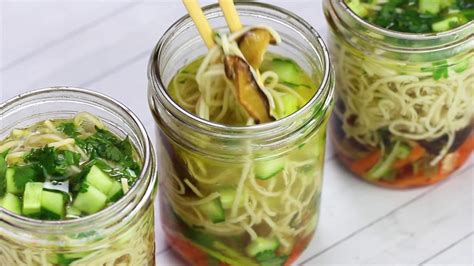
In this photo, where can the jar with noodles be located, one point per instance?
(404, 113)
(77, 181)
(241, 172)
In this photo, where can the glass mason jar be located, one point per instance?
(212, 204)
(121, 234)
(404, 112)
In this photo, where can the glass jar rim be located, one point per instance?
(142, 180)
(403, 35)
(212, 11)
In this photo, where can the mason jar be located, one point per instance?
(202, 162)
(404, 114)
(121, 234)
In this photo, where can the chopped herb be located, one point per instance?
(68, 129)
(25, 174)
(84, 187)
(54, 162)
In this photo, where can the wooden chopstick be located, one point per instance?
(203, 26)
(231, 15)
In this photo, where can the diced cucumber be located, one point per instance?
(268, 169)
(99, 179)
(53, 202)
(32, 198)
(72, 212)
(446, 24)
(359, 9)
(90, 201)
(429, 6)
(213, 211)
(115, 192)
(261, 244)
(12, 203)
(290, 104)
(11, 186)
(227, 197)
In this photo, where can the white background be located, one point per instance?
(105, 45)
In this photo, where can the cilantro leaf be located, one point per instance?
(68, 129)
(53, 162)
(84, 187)
(25, 174)
(105, 145)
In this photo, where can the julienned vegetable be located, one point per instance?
(256, 208)
(65, 169)
(415, 16)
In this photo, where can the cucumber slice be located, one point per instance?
(11, 187)
(267, 169)
(290, 105)
(12, 203)
(261, 244)
(115, 192)
(90, 201)
(288, 71)
(446, 24)
(53, 203)
(429, 6)
(32, 199)
(213, 211)
(99, 179)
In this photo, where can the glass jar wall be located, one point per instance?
(121, 234)
(214, 202)
(404, 114)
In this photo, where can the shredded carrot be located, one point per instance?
(416, 153)
(360, 167)
(416, 180)
(299, 247)
(187, 250)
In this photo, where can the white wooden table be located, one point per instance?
(105, 45)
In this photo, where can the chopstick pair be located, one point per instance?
(202, 24)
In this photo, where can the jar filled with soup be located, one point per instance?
(77, 181)
(404, 113)
(242, 133)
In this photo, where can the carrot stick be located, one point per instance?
(360, 167)
(416, 153)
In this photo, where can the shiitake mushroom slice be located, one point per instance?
(254, 45)
(248, 91)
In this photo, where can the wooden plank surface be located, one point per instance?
(105, 45)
